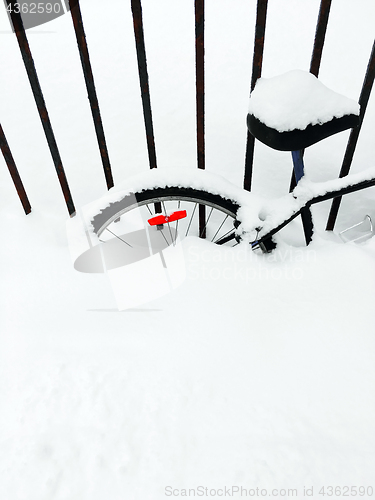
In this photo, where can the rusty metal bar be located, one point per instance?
(320, 34)
(260, 29)
(75, 11)
(354, 134)
(199, 67)
(40, 103)
(200, 105)
(14, 172)
(143, 79)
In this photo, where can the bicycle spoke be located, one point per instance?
(178, 207)
(221, 225)
(169, 227)
(224, 239)
(230, 230)
(161, 232)
(126, 243)
(201, 221)
(201, 233)
(191, 219)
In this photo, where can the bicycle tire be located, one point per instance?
(115, 210)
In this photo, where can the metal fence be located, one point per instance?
(136, 7)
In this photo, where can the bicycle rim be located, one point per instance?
(208, 215)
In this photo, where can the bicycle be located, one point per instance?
(161, 205)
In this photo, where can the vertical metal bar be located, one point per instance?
(143, 79)
(39, 100)
(200, 105)
(199, 66)
(320, 34)
(354, 134)
(14, 172)
(260, 29)
(75, 12)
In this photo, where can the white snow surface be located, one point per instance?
(297, 99)
(258, 371)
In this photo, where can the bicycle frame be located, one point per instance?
(301, 196)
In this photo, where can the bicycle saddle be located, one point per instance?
(295, 110)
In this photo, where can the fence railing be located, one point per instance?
(136, 8)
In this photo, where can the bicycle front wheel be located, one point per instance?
(208, 215)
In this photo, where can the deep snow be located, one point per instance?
(258, 371)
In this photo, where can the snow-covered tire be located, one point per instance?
(170, 195)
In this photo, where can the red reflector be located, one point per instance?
(163, 219)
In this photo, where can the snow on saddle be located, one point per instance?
(295, 110)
